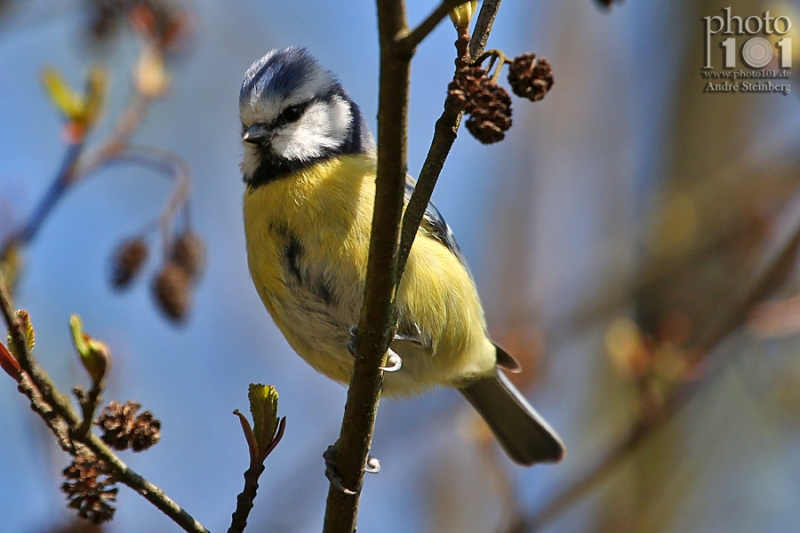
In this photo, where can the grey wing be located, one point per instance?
(410, 338)
(434, 225)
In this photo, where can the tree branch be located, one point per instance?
(53, 407)
(76, 167)
(387, 258)
(408, 43)
(483, 27)
(444, 136)
(377, 322)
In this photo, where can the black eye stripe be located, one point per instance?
(292, 113)
(323, 98)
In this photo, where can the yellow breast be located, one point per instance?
(307, 244)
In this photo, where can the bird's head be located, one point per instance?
(294, 114)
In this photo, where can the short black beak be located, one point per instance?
(256, 134)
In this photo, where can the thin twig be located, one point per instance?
(61, 182)
(127, 124)
(410, 41)
(444, 136)
(166, 163)
(56, 411)
(483, 27)
(244, 502)
(89, 403)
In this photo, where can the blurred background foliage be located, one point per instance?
(633, 239)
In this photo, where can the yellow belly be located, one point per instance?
(307, 244)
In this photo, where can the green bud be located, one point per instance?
(30, 337)
(264, 409)
(95, 355)
(462, 15)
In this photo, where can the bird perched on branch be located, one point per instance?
(309, 168)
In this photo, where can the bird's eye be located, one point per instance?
(291, 114)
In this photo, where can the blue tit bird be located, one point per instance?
(309, 168)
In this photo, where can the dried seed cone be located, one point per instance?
(189, 252)
(491, 114)
(128, 262)
(123, 429)
(465, 85)
(530, 78)
(89, 488)
(172, 290)
(146, 432)
(487, 103)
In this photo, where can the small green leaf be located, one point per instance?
(76, 326)
(30, 335)
(27, 327)
(68, 102)
(264, 409)
(11, 264)
(95, 355)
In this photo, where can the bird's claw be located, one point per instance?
(372, 466)
(393, 361)
(331, 472)
(353, 342)
(416, 337)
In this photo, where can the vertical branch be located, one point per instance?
(388, 253)
(376, 323)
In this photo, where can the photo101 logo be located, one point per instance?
(754, 55)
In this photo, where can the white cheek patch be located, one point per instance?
(323, 126)
(341, 118)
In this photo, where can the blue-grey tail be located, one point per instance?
(520, 430)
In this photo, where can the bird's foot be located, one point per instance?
(372, 466)
(352, 344)
(416, 338)
(393, 361)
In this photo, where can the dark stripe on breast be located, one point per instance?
(324, 292)
(293, 253)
